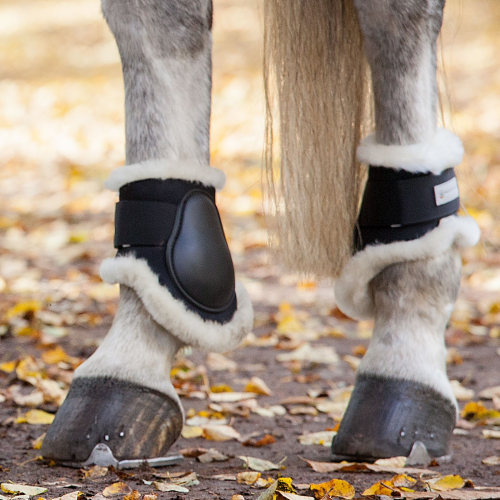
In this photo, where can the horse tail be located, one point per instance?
(316, 87)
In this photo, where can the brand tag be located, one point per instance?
(446, 192)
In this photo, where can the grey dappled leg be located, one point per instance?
(173, 264)
(165, 47)
(400, 44)
(408, 284)
(402, 394)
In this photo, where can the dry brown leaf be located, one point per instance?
(326, 467)
(237, 497)
(403, 481)
(193, 452)
(303, 410)
(119, 488)
(134, 495)
(95, 472)
(74, 495)
(151, 496)
(333, 488)
(264, 441)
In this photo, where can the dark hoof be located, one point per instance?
(133, 421)
(386, 417)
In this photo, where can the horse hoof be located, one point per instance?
(133, 421)
(391, 417)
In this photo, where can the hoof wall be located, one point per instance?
(389, 417)
(133, 421)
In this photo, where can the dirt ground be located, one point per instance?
(62, 132)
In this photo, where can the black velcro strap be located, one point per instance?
(397, 198)
(143, 223)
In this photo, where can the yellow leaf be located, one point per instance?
(191, 431)
(37, 443)
(119, 488)
(28, 370)
(477, 411)
(220, 433)
(35, 417)
(403, 481)
(446, 483)
(56, 355)
(23, 308)
(379, 489)
(258, 386)
(334, 488)
(285, 484)
(8, 367)
(248, 478)
(23, 489)
(220, 388)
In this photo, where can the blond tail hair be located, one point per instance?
(316, 87)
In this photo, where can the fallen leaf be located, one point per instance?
(269, 493)
(320, 354)
(494, 460)
(212, 455)
(219, 362)
(461, 392)
(119, 488)
(446, 483)
(151, 496)
(333, 488)
(248, 478)
(264, 441)
(237, 497)
(95, 472)
(258, 386)
(403, 481)
(477, 411)
(24, 489)
(217, 389)
(37, 443)
(488, 393)
(189, 432)
(398, 462)
(162, 486)
(326, 467)
(291, 496)
(352, 361)
(220, 433)
(35, 417)
(135, 495)
(378, 489)
(259, 464)
(74, 495)
(323, 438)
(230, 397)
(489, 434)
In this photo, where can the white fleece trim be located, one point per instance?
(351, 289)
(166, 169)
(444, 151)
(172, 314)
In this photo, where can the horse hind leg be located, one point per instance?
(173, 265)
(406, 273)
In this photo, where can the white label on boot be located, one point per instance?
(446, 192)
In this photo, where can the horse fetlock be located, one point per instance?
(122, 396)
(173, 253)
(389, 417)
(133, 421)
